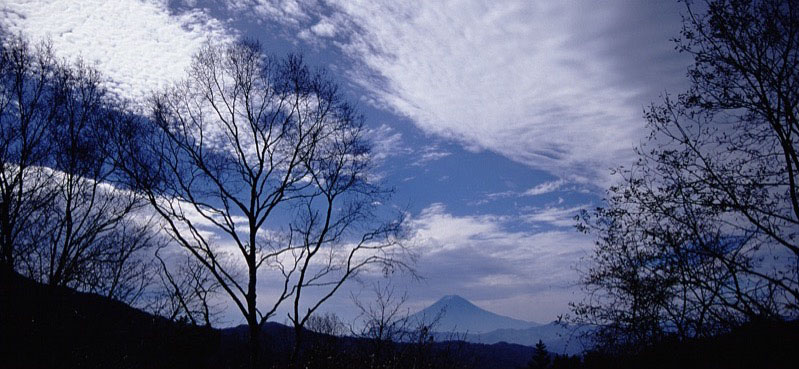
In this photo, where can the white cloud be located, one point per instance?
(436, 230)
(544, 188)
(538, 82)
(556, 216)
(500, 77)
(324, 29)
(287, 12)
(386, 142)
(539, 189)
(429, 154)
(544, 84)
(434, 155)
(138, 45)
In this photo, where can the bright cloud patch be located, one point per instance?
(139, 45)
(533, 81)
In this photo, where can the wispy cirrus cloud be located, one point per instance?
(429, 154)
(553, 215)
(544, 188)
(543, 83)
(140, 45)
(386, 142)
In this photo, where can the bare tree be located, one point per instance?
(384, 319)
(187, 290)
(78, 228)
(392, 338)
(385, 324)
(701, 233)
(327, 324)
(256, 164)
(125, 269)
(323, 250)
(26, 97)
(62, 220)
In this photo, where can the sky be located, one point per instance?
(496, 122)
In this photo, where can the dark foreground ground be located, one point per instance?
(46, 327)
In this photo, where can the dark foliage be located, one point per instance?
(754, 345)
(541, 358)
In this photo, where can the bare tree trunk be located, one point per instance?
(255, 343)
(295, 352)
(253, 319)
(7, 247)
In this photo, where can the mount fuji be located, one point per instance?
(456, 314)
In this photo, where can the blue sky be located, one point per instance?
(494, 121)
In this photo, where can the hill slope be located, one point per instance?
(52, 327)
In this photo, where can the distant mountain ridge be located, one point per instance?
(461, 319)
(559, 338)
(456, 314)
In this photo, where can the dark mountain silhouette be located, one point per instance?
(456, 314)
